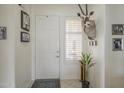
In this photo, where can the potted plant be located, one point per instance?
(86, 63)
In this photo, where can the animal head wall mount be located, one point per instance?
(88, 23)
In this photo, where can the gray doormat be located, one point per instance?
(46, 83)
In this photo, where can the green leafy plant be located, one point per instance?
(86, 63)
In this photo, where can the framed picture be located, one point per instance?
(25, 21)
(3, 33)
(93, 43)
(25, 37)
(117, 44)
(117, 29)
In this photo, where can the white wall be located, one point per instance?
(7, 47)
(115, 59)
(69, 70)
(97, 73)
(15, 57)
(108, 71)
(22, 53)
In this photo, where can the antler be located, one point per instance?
(81, 10)
(86, 9)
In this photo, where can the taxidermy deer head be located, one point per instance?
(88, 23)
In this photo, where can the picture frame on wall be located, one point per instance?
(25, 37)
(25, 21)
(117, 44)
(117, 29)
(3, 33)
(93, 43)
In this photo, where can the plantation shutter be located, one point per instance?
(73, 39)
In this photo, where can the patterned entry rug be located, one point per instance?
(46, 83)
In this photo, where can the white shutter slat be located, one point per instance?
(73, 39)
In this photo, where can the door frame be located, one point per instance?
(60, 68)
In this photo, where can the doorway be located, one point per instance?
(47, 47)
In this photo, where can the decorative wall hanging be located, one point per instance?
(25, 21)
(25, 37)
(88, 23)
(117, 29)
(92, 43)
(3, 33)
(117, 44)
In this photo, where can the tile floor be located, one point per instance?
(70, 84)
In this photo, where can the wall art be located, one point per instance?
(3, 33)
(87, 22)
(117, 44)
(25, 21)
(93, 43)
(25, 37)
(117, 29)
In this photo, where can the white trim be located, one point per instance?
(4, 85)
(61, 31)
(30, 84)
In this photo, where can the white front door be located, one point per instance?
(47, 47)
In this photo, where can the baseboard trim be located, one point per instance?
(4, 86)
(30, 84)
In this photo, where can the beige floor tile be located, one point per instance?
(70, 84)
